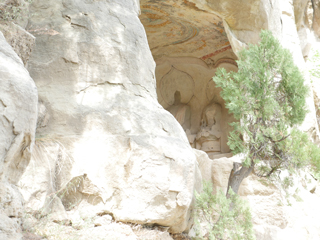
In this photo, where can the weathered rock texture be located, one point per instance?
(20, 40)
(178, 28)
(96, 229)
(15, 11)
(18, 114)
(243, 21)
(314, 16)
(111, 147)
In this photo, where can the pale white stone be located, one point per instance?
(104, 220)
(204, 163)
(19, 39)
(18, 113)
(106, 143)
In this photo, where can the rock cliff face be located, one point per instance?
(113, 149)
(106, 148)
(18, 116)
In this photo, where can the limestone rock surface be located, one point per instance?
(19, 39)
(18, 114)
(107, 231)
(18, 104)
(204, 163)
(9, 228)
(112, 147)
(244, 20)
(277, 216)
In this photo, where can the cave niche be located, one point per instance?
(188, 45)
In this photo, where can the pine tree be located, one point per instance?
(267, 97)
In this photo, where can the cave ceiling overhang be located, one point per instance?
(178, 28)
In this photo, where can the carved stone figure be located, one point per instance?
(181, 111)
(208, 138)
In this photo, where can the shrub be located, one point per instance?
(221, 217)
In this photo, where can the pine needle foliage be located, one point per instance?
(313, 152)
(315, 68)
(219, 221)
(303, 153)
(267, 97)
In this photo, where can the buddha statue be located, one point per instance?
(181, 111)
(208, 139)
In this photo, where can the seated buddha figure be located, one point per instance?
(208, 139)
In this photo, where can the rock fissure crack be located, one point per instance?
(270, 1)
(102, 83)
(78, 25)
(69, 19)
(114, 15)
(2, 102)
(69, 61)
(5, 117)
(143, 87)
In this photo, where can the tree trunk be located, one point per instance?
(237, 174)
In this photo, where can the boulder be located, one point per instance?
(205, 165)
(220, 170)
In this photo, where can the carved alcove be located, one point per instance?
(186, 89)
(188, 45)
